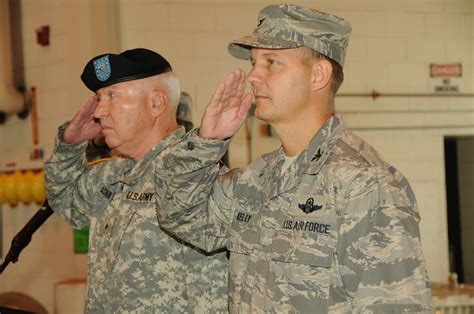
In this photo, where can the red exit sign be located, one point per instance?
(446, 70)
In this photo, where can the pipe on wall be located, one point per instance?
(375, 94)
(13, 96)
(10, 99)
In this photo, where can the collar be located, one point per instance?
(268, 168)
(130, 171)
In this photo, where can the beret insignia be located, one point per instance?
(102, 68)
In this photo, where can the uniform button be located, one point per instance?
(190, 145)
(168, 196)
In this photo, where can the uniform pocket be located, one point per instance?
(303, 256)
(305, 240)
(243, 235)
(108, 235)
(243, 232)
(300, 287)
(302, 260)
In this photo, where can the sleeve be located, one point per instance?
(197, 206)
(71, 186)
(379, 248)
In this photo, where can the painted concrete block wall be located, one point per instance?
(393, 43)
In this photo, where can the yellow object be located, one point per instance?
(2, 188)
(37, 187)
(98, 161)
(23, 188)
(10, 185)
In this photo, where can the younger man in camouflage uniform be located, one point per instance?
(134, 266)
(322, 224)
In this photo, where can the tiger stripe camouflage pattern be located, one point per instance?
(336, 232)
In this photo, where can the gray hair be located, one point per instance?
(169, 82)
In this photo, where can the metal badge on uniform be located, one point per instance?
(102, 68)
(309, 204)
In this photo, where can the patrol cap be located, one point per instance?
(290, 26)
(108, 69)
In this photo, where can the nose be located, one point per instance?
(254, 78)
(101, 110)
(253, 75)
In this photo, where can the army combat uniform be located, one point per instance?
(134, 266)
(336, 232)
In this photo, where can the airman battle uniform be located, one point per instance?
(134, 266)
(336, 232)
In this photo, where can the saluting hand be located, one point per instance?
(228, 108)
(83, 126)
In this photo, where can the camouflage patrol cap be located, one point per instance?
(290, 26)
(108, 69)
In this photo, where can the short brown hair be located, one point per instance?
(310, 55)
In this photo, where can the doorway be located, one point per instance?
(459, 172)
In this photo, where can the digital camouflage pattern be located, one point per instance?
(336, 232)
(290, 26)
(134, 266)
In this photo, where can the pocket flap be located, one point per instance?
(305, 242)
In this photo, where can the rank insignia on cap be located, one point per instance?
(102, 68)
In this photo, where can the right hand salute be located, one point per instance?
(83, 126)
(228, 108)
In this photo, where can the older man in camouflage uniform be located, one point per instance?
(322, 224)
(134, 266)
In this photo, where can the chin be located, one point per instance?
(111, 143)
(262, 116)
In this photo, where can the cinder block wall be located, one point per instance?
(393, 43)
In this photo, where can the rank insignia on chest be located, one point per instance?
(309, 206)
(107, 193)
(318, 155)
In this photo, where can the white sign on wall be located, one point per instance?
(446, 78)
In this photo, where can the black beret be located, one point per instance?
(108, 69)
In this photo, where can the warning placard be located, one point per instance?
(446, 77)
(446, 70)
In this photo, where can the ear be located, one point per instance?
(159, 102)
(321, 74)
